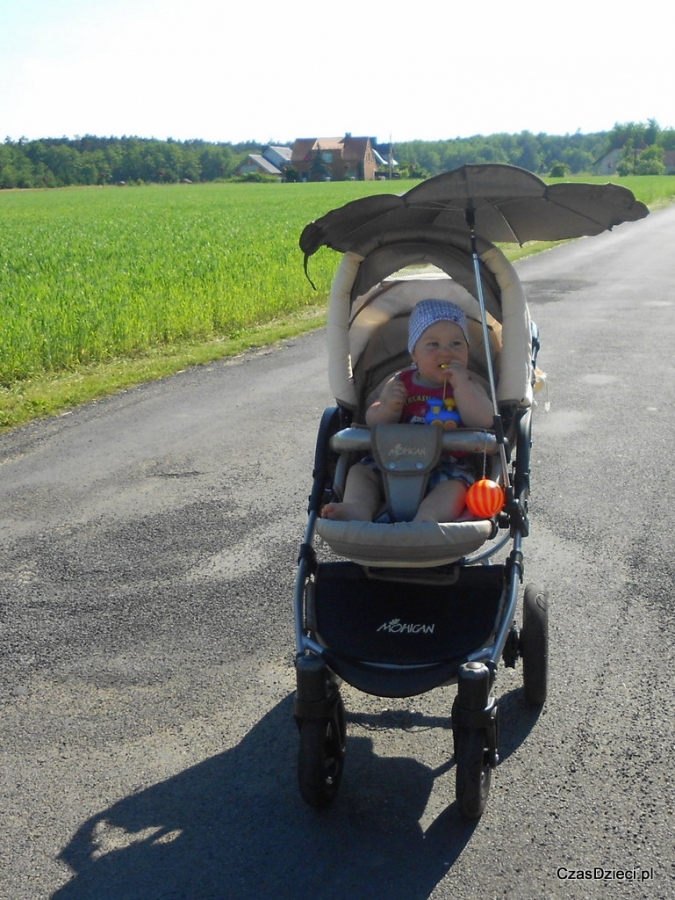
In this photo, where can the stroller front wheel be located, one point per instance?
(321, 757)
(473, 771)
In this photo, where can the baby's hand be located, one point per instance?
(456, 373)
(393, 395)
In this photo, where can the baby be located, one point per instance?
(438, 342)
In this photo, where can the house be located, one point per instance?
(334, 159)
(272, 161)
(607, 164)
(384, 155)
(278, 156)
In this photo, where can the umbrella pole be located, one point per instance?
(497, 419)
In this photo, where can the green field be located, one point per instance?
(105, 276)
(92, 274)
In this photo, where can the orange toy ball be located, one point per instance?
(485, 498)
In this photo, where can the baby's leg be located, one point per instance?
(362, 499)
(445, 503)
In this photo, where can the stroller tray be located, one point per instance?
(404, 621)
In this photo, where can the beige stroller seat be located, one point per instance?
(367, 343)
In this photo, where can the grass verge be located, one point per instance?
(54, 395)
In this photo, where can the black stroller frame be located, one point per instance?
(318, 707)
(411, 618)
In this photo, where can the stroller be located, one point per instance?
(402, 608)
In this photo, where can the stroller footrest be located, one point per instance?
(405, 544)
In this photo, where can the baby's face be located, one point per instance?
(442, 344)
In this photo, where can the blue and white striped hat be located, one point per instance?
(428, 312)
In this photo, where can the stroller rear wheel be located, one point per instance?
(321, 757)
(473, 771)
(534, 645)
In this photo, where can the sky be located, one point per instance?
(230, 71)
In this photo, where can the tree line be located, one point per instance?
(641, 145)
(89, 160)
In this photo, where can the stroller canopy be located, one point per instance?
(502, 203)
(451, 222)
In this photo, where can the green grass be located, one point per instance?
(90, 275)
(101, 288)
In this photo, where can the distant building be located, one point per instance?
(334, 159)
(272, 161)
(607, 164)
(384, 156)
(278, 156)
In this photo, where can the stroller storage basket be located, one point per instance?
(399, 622)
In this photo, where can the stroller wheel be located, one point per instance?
(473, 771)
(321, 757)
(534, 645)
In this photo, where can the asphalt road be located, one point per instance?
(147, 563)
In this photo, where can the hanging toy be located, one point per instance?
(485, 498)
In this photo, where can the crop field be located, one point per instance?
(91, 274)
(94, 274)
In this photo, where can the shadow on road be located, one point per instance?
(234, 827)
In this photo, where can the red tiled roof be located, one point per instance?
(349, 148)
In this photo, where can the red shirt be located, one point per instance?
(428, 405)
